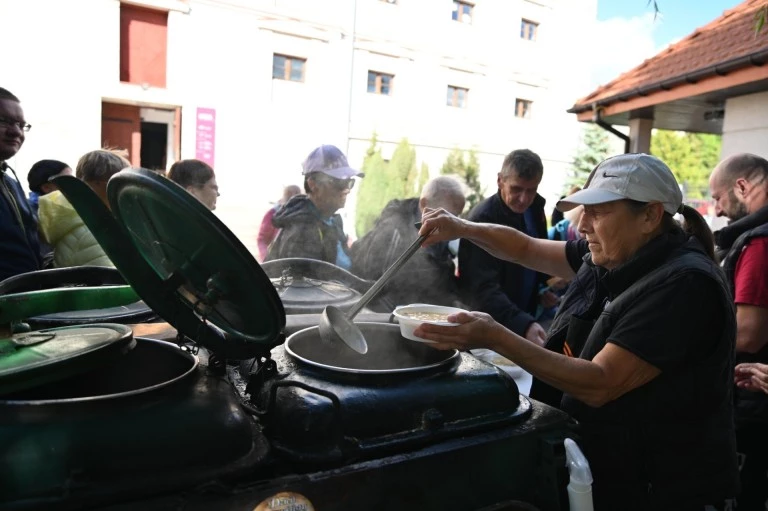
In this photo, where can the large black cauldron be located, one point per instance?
(330, 434)
(149, 421)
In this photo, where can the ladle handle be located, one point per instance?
(373, 291)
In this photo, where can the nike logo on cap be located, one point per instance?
(608, 175)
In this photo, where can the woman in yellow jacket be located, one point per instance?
(61, 226)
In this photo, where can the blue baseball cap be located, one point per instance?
(329, 160)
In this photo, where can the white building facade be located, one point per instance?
(254, 85)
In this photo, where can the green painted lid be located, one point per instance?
(34, 358)
(183, 262)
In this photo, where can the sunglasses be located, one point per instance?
(339, 184)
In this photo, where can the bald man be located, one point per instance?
(739, 186)
(429, 277)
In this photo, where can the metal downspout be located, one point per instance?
(600, 122)
(353, 36)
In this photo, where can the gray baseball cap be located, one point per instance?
(329, 160)
(638, 176)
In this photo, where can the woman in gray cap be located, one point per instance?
(309, 225)
(641, 350)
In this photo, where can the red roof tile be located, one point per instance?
(728, 37)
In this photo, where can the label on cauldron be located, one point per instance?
(286, 501)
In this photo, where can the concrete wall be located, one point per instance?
(220, 56)
(745, 127)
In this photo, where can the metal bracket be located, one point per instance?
(216, 366)
(266, 368)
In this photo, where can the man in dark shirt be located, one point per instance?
(19, 245)
(505, 290)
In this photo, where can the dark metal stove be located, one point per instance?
(253, 422)
(319, 415)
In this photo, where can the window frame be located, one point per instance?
(526, 104)
(454, 96)
(378, 82)
(532, 29)
(289, 67)
(460, 12)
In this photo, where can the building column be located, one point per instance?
(640, 135)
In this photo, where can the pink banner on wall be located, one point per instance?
(205, 140)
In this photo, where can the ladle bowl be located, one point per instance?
(336, 326)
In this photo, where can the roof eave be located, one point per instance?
(756, 59)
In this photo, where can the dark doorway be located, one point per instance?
(154, 142)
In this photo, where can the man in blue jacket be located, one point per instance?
(19, 245)
(505, 290)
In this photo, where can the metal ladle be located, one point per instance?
(335, 325)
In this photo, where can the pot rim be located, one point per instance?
(108, 397)
(454, 354)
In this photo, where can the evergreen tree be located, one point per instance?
(423, 177)
(691, 156)
(594, 147)
(372, 189)
(384, 181)
(454, 162)
(402, 171)
(467, 169)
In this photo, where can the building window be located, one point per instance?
(288, 68)
(462, 12)
(528, 30)
(457, 96)
(523, 108)
(380, 83)
(143, 45)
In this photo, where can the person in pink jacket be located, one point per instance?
(267, 231)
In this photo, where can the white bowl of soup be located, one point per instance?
(411, 316)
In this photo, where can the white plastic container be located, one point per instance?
(409, 324)
(580, 483)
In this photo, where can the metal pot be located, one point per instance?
(388, 352)
(150, 366)
(307, 286)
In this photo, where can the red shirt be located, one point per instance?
(267, 233)
(751, 279)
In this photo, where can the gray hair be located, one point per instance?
(444, 192)
(524, 163)
(100, 165)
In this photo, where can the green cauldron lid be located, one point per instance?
(183, 262)
(31, 359)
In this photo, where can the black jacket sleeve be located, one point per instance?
(480, 277)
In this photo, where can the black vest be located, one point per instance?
(673, 438)
(749, 405)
